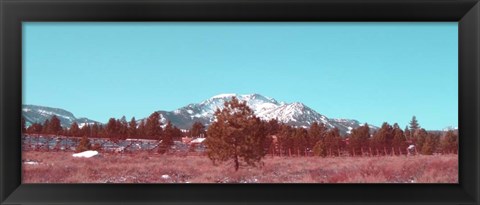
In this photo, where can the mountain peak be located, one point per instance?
(243, 96)
(225, 95)
(298, 105)
(266, 108)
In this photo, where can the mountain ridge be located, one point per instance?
(266, 108)
(38, 114)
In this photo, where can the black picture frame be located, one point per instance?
(14, 12)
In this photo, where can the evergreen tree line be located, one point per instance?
(275, 138)
(285, 140)
(115, 129)
(361, 141)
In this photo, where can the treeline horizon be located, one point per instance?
(281, 139)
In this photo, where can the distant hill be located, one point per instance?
(38, 114)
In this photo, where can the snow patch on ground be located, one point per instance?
(86, 154)
(198, 140)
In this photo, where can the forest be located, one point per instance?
(236, 129)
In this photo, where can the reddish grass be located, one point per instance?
(61, 167)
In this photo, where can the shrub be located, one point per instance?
(84, 145)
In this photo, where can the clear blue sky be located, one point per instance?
(372, 72)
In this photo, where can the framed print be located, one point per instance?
(204, 101)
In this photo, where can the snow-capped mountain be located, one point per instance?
(38, 114)
(296, 114)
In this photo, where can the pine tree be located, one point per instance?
(141, 130)
(272, 127)
(316, 133)
(398, 139)
(84, 145)
(101, 131)
(35, 128)
(119, 129)
(95, 130)
(123, 119)
(332, 142)
(55, 127)
(153, 128)
(429, 147)
(122, 126)
(319, 149)
(450, 142)
(358, 139)
(46, 127)
(414, 124)
(420, 137)
(300, 141)
(285, 139)
(74, 131)
(197, 130)
(85, 130)
(132, 128)
(407, 133)
(236, 134)
(167, 138)
(178, 134)
(111, 129)
(382, 139)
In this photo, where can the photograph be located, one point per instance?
(240, 102)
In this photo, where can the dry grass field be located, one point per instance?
(61, 167)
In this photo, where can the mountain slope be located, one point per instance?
(38, 114)
(296, 114)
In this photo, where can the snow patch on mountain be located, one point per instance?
(38, 114)
(224, 95)
(266, 108)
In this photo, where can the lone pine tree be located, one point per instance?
(414, 124)
(236, 134)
